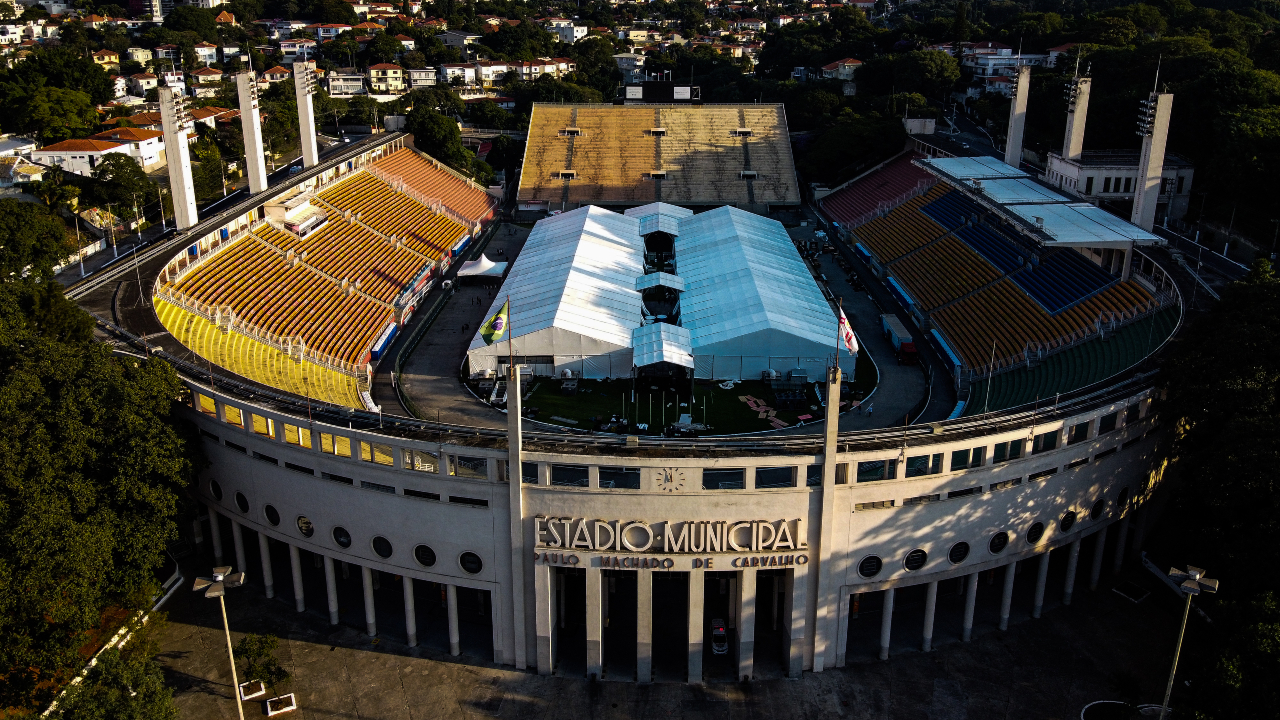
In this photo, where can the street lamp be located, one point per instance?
(1191, 582)
(222, 581)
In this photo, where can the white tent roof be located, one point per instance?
(659, 279)
(484, 267)
(577, 273)
(661, 342)
(743, 276)
(1082, 224)
(659, 216)
(968, 168)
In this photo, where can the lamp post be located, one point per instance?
(1191, 582)
(223, 580)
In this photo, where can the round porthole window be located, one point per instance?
(342, 537)
(915, 560)
(1123, 499)
(958, 553)
(998, 543)
(470, 562)
(215, 489)
(242, 502)
(1035, 532)
(1098, 507)
(382, 546)
(1068, 521)
(425, 556)
(273, 515)
(305, 527)
(870, 566)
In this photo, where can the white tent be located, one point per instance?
(750, 303)
(573, 297)
(484, 267)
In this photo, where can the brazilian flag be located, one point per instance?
(494, 328)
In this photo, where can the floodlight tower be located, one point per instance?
(1153, 126)
(1077, 109)
(1017, 116)
(304, 84)
(176, 122)
(251, 124)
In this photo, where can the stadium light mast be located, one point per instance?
(1190, 582)
(216, 587)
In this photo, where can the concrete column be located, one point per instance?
(1151, 161)
(1006, 599)
(370, 618)
(970, 602)
(644, 626)
(1121, 537)
(842, 634)
(175, 121)
(295, 564)
(595, 624)
(215, 535)
(697, 578)
(304, 84)
(455, 641)
(796, 605)
(824, 622)
(251, 128)
(746, 623)
(237, 537)
(1099, 545)
(410, 613)
(268, 577)
(1042, 577)
(516, 521)
(1017, 117)
(1073, 559)
(544, 608)
(331, 589)
(930, 606)
(886, 623)
(1077, 109)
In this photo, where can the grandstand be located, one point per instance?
(884, 188)
(324, 290)
(999, 289)
(636, 154)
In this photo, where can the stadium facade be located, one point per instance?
(611, 555)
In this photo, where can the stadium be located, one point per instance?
(296, 319)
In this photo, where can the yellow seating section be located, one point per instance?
(392, 213)
(422, 175)
(257, 362)
(904, 229)
(943, 271)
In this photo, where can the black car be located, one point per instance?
(719, 638)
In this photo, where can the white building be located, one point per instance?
(144, 146)
(77, 156)
(423, 77)
(465, 71)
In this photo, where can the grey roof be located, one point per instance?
(659, 217)
(659, 279)
(743, 275)
(661, 342)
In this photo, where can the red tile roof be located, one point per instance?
(85, 145)
(127, 135)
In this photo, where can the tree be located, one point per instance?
(32, 237)
(127, 682)
(55, 67)
(120, 181)
(437, 136)
(961, 30)
(55, 114)
(189, 18)
(259, 654)
(6, 11)
(384, 48)
(928, 72)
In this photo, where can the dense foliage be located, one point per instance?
(94, 466)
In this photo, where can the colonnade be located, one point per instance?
(331, 583)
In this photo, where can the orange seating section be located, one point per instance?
(291, 301)
(942, 272)
(394, 213)
(1005, 315)
(422, 175)
(904, 229)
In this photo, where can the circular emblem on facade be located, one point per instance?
(671, 479)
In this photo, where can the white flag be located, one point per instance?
(846, 333)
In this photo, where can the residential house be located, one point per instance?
(142, 82)
(10, 35)
(409, 43)
(148, 120)
(297, 50)
(79, 156)
(988, 60)
(841, 69)
(144, 146)
(367, 28)
(465, 71)
(275, 74)
(14, 170)
(1055, 52)
(434, 24)
(140, 55)
(119, 86)
(490, 72)
(210, 116)
(229, 51)
(749, 25)
(108, 59)
(94, 21)
(387, 79)
(206, 53)
(631, 65)
(11, 145)
(426, 77)
(566, 30)
(329, 31)
(345, 82)
(206, 76)
(173, 79)
(783, 20)
(456, 39)
(208, 4)
(225, 18)
(169, 51)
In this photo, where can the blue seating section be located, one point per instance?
(1063, 278)
(993, 246)
(951, 210)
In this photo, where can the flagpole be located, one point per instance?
(839, 329)
(511, 337)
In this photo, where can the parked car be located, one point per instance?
(719, 638)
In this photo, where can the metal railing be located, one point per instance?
(884, 207)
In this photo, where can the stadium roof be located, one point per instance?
(576, 272)
(635, 154)
(1052, 218)
(742, 275)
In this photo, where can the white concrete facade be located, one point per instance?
(501, 505)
